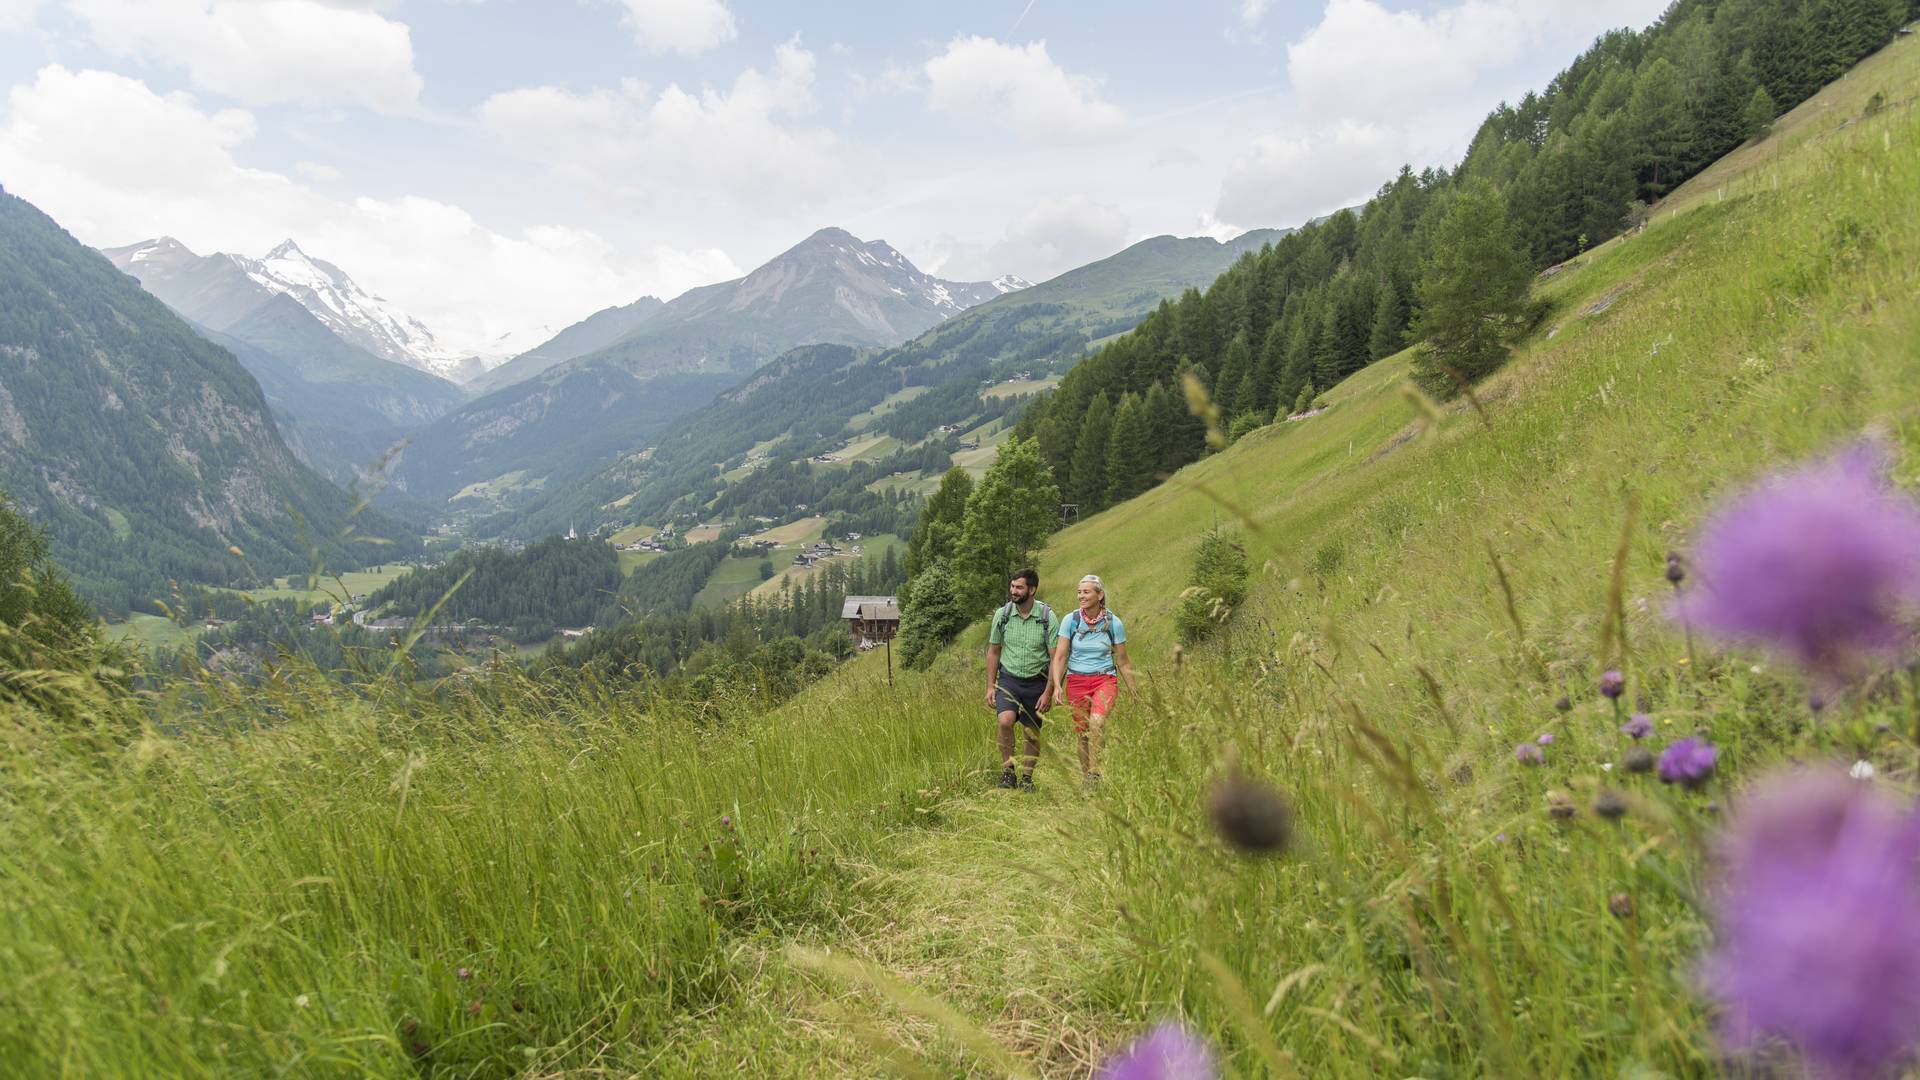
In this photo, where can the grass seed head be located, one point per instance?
(1609, 805)
(1251, 815)
(1638, 759)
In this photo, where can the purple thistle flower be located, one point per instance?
(1528, 754)
(1818, 913)
(1545, 739)
(1612, 684)
(1638, 726)
(1688, 762)
(1168, 1052)
(1816, 564)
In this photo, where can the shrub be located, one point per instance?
(1218, 585)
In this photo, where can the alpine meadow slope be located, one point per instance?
(504, 877)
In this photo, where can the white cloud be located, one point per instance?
(114, 162)
(617, 141)
(17, 14)
(1048, 239)
(1023, 86)
(314, 170)
(265, 52)
(682, 26)
(1363, 60)
(1253, 12)
(1283, 180)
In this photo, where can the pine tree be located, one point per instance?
(1389, 324)
(1163, 425)
(931, 613)
(1757, 122)
(1341, 348)
(940, 521)
(1298, 370)
(1304, 401)
(1009, 516)
(1235, 367)
(1663, 124)
(1472, 292)
(1129, 451)
(1266, 378)
(1089, 476)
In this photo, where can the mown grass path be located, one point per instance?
(990, 906)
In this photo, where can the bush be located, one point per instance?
(1244, 423)
(931, 614)
(1218, 585)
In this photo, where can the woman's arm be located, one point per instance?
(1125, 665)
(1058, 676)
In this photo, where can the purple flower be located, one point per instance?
(1612, 684)
(1168, 1052)
(1816, 564)
(1818, 913)
(1528, 754)
(1638, 726)
(1545, 739)
(1688, 762)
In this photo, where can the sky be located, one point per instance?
(510, 166)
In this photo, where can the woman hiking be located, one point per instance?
(1088, 661)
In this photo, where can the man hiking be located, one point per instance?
(1088, 664)
(1018, 689)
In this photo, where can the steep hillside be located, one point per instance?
(596, 331)
(815, 401)
(569, 420)
(147, 452)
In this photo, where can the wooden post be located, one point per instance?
(889, 660)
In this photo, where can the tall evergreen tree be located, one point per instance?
(1664, 126)
(940, 521)
(1129, 452)
(1757, 121)
(1162, 414)
(1389, 324)
(1472, 291)
(1009, 516)
(1089, 483)
(1236, 366)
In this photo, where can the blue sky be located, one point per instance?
(503, 166)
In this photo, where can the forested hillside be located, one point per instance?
(556, 582)
(147, 453)
(1626, 123)
(813, 400)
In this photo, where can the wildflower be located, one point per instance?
(1688, 762)
(1168, 1052)
(1637, 759)
(1675, 572)
(1564, 704)
(1816, 702)
(1608, 804)
(1814, 564)
(1612, 684)
(1861, 770)
(1250, 815)
(1818, 913)
(726, 822)
(1560, 805)
(1638, 726)
(1621, 905)
(1528, 754)
(302, 1002)
(474, 1007)
(463, 974)
(1545, 739)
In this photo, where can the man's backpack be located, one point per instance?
(1006, 612)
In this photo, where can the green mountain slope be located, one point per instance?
(147, 452)
(340, 407)
(816, 400)
(596, 331)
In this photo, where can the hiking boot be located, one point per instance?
(1007, 779)
(1026, 781)
(1089, 782)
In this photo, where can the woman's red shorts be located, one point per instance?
(1089, 694)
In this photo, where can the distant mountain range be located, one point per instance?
(559, 413)
(814, 400)
(339, 406)
(147, 452)
(217, 290)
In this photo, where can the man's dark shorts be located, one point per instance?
(1019, 696)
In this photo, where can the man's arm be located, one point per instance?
(993, 670)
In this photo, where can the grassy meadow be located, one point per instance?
(497, 877)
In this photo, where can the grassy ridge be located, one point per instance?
(290, 879)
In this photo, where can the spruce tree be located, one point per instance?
(1304, 401)
(1472, 292)
(1757, 122)
(1009, 515)
(1389, 324)
(1235, 368)
(940, 521)
(1089, 475)
(1663, 125)
(1162, 414)
(931, 613)
(1129, 451)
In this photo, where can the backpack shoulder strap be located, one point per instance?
(1000, 620)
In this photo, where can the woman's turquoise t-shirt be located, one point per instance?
(1090, 653)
